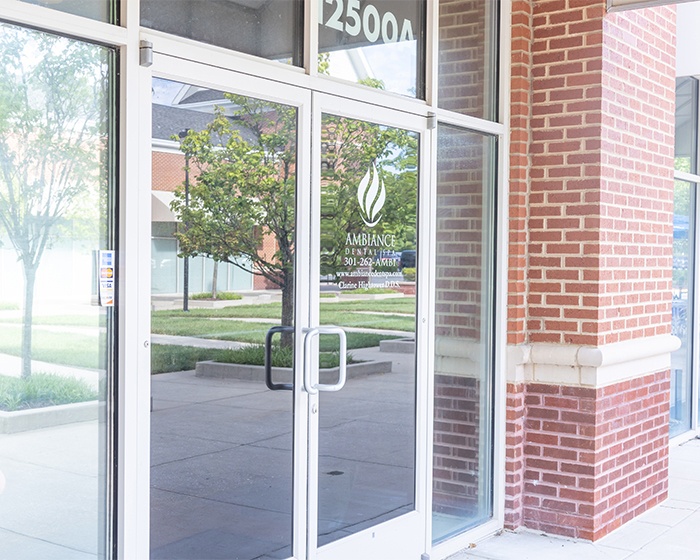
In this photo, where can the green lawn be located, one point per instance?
(54, 347)
(83, 350)
(221, 329)
(64, 320)
(371, 314)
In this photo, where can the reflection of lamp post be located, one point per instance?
(186, 270)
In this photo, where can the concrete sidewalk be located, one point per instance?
(670, 531)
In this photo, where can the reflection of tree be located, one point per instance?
(244, 192)
(52, 96)
(681, 242)
(349, 148)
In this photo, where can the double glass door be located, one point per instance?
(288, 404)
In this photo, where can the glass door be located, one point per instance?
(365, 447)
(285, 394)
(228, 429)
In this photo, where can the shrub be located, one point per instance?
(219, 296)
(409, 274)
(41, 390)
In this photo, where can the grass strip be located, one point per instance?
(42, 390)
(166, 358)
(62, 348)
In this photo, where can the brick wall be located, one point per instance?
(594, 458)
(519, 179)
(168, 171)
(461, 236)
(590, 249)
(601, 179)
(637, 150)
(515, 455)
(456, 468)
(464, 63)
(460, 369)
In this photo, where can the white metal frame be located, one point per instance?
(399, 537)
(133, 443)
(189, 72)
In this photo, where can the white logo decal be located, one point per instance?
(371, 197)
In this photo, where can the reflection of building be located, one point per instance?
(176, 108)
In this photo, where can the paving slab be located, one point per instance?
(670, 531)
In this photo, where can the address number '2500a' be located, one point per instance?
(353, 21)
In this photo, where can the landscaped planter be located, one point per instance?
(257, 373)
(48, 416)
(398, 346)
(407, 288)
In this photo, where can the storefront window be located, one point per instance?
(681, 310)
(684, 212)
(57, 274)
(269, 29)
(101, 10)
(463, 411)
(379, 44)
(467, 57)
(686, 125)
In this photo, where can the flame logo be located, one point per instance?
(371, 196)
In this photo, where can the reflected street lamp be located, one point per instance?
(186, 269)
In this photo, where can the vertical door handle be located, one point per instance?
(268, 360)
(311, 385)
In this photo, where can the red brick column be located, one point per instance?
(591, 225)
(519, 185)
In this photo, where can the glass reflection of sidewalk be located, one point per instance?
(221, 465)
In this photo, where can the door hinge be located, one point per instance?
(145, 53)
(432, 124)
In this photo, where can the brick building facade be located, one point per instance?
(590, 245)
(537, 356)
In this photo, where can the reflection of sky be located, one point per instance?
(164, 91)
(392, 63)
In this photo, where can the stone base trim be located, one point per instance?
(589, 366)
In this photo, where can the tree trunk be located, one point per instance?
(215, 280)
(288, 308)
(29, 278)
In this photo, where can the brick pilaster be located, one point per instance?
(592, 202)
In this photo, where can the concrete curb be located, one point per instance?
(36, 418)
(257, 373)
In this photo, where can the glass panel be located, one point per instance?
(681, 310)
(101, 10)
(686, 124)
(56, 341)
(221, 442)
(369, 192)
(270, 29)
(463, 412)
(467, 57)
(164, 266)
(379, 44)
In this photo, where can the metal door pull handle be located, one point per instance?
(268, 360)
(312, 386)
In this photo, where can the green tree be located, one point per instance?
(52, 142)
(243, 191)
(351, 148)
(243, 188)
